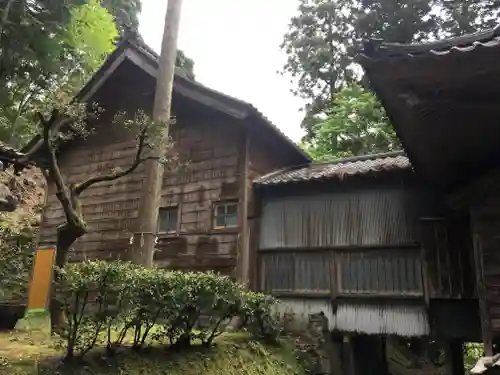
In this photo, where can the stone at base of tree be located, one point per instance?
(234, 325)
(35, 320)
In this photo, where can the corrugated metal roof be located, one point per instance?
(376, 49)
(338, 169)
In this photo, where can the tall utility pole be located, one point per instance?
(144, 238)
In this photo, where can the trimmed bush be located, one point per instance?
(258, 317)
(105, 303)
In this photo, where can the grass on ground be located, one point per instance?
(232, 354)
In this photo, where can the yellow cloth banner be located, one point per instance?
(41, 280)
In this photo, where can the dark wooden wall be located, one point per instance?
(223, 155)
(350, 242)
(369, 239)
(110, 208)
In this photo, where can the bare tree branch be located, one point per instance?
(55, 123)
(138, 160)
(62, 192)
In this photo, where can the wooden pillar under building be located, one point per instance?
(348, 364)
(484, 315)
(454, 358)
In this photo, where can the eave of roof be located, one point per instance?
(153, 56)
(338, 169)
(145, 51)
(396, 70)
(375, 50)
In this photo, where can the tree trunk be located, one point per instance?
(67, 234)
(144, 239)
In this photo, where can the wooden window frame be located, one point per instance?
(225, 203)
(177, 226)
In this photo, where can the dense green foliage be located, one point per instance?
(356, 124)
(51, 46)
(472, 353)
(46, 46)
(325, 36)
(105, 302)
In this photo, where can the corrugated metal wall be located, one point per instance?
(389, 272)
(407, 320)
(362, 217)
(297, 272)
(400, 320)
(381, 272)
(302, 308)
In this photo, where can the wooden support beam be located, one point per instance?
(243, 258)
(348, 364)
(481, 295)
(454, 358)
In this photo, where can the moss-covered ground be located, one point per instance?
(232, 354)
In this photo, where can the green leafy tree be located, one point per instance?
(356, 124)
(46, 46)
(325, 36)
(91, 34)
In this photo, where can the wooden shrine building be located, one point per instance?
(371, 245)
(226, 142)
(442, 99)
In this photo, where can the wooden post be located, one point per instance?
(349, 365)
(454, 358)
(481, 295)
(144, 238)
(243, 255)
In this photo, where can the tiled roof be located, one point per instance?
(376, 49)
(148, 51)
(152, 56)
(338, 169)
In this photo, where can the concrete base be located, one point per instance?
(35, 320)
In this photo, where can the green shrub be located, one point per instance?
(258, 316)
(16, 260)
(197, 295)
(92, 296)
(99, 299)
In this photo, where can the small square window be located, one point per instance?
(226, 215)
(168, 219)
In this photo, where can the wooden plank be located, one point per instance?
(349, 365)
(243, 259)
(425, 276)
(481, 294)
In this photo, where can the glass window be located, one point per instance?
(167, 219)
(226, 215)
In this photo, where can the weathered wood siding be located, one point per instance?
(485, 222)
(213, 147)
(212, 174)
(110, 208)
(261, 161)
(215, 153)
(447, 245)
